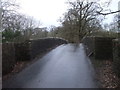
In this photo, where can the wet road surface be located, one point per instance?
(67, 66)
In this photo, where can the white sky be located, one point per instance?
(49, 11)
(113, 6)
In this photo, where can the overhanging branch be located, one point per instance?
(108, 13)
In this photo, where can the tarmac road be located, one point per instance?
(67, 66)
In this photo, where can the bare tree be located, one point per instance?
(111, 12)
(16, 23)
(81, 13)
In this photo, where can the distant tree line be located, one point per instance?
(82, 19)
(17, 27)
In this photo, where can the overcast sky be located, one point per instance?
(49, 11)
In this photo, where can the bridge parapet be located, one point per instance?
(32, 48)
(116, 56)
(100, 47)
(28, 50)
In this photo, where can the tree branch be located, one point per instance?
(108, 13)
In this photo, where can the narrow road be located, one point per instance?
(67, 66)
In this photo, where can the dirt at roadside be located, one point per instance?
(21, 65)
(105, 74)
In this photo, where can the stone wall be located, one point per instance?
(103, 48)
(116, 56)
(13, 52)
(8, 57)
(31, 48)
(22, 51)
(89, 45)
(42, 45)
(100, 47)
